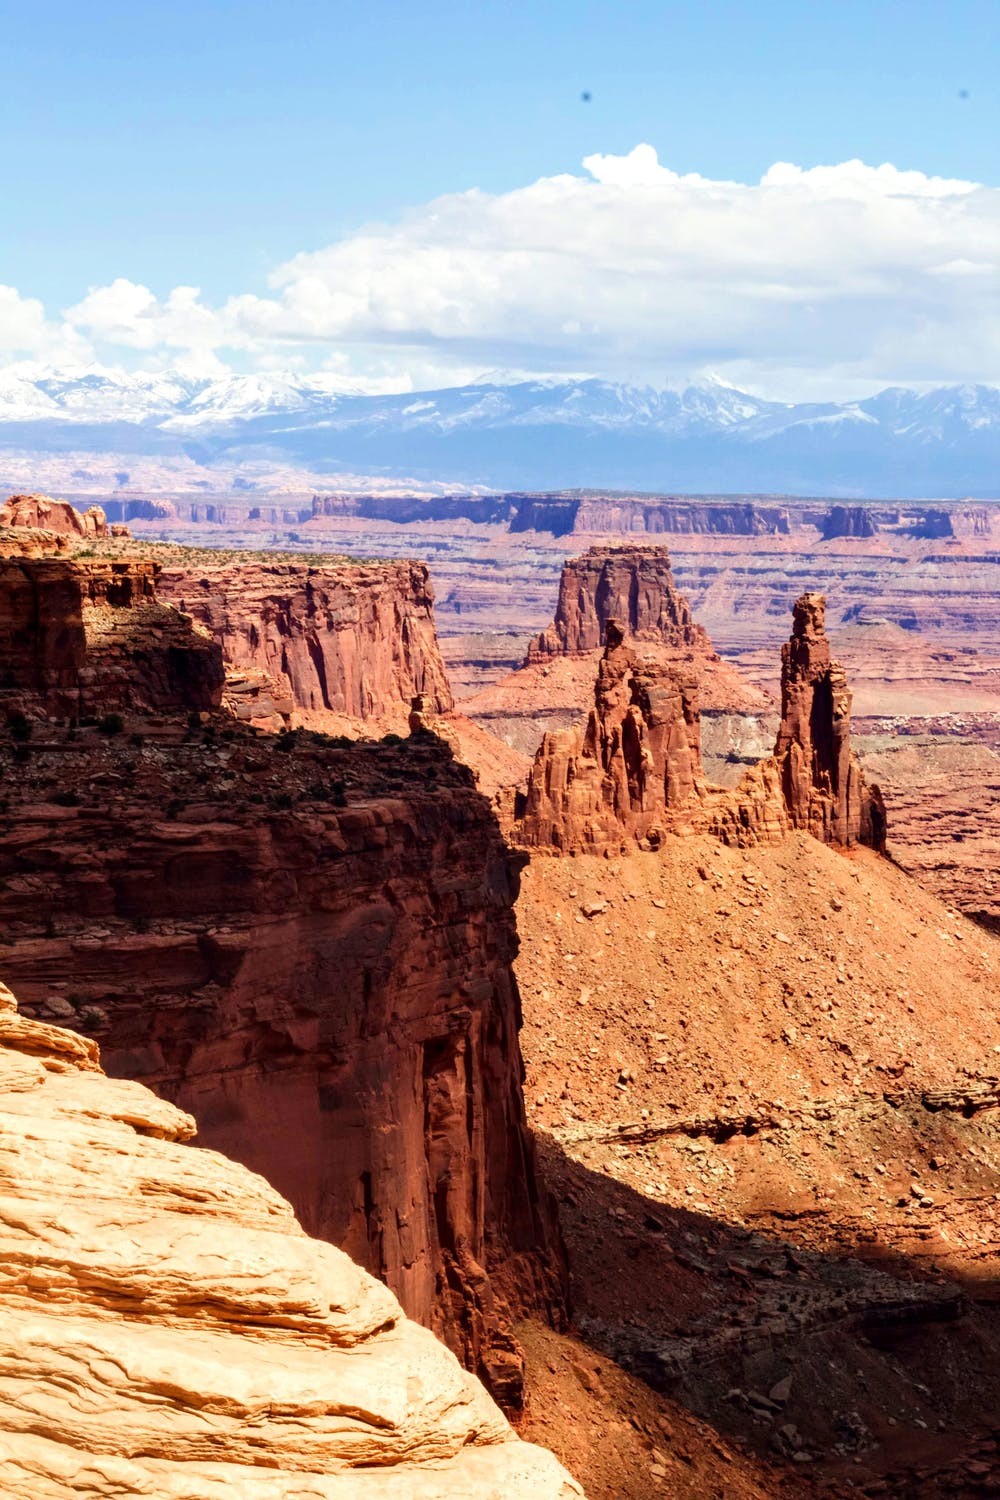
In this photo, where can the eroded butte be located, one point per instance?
(760, 1060)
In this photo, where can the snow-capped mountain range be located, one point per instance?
(709, 437)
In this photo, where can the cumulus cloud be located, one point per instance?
(825, 278)
(25, 331)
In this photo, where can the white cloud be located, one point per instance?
(25, 331)
(828, 277)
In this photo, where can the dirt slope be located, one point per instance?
(769, 1085)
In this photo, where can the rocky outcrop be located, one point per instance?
(848, 520)
(632, 585)
(554, 689)
(635, 773)
(822, 782)
(341, 641)
(324, 937)
(87, 636)
(169, 1329)
(633, 769)
(42, 513)
(310, 947)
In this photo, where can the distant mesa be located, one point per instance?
(848, 520)
(42, 513)
(631, 585)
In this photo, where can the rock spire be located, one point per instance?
(822, 783)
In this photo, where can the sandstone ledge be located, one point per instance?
(169, 1330)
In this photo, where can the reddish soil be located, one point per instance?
(768, 1082)
(623, 1441)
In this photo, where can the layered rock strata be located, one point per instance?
(83, 637)
(629, 771)
(633, 586)
(634, 773)
(42, 513)
(553, 689)
(324, 936)
(339, 641)
(169, 1329)
(310, 948)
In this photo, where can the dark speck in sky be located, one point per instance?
(963, 93)
(585, 96)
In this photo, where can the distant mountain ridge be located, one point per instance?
(540, 434)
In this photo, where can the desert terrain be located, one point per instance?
(666, 1100)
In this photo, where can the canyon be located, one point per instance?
(759, 1059)
(169, 1329)
(306, 942)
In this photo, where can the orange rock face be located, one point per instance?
(553, 690)
(327, 934)
(84, 636)
(632, 585)
(310, 945)
(168, 1328)
(42, 513)
(337, 642)
(634, 774)
(328, 987)
(630, 771)
(822, 782)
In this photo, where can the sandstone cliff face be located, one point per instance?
(823, 785)
(848, 520)
(338, 641)
(324, 937)
(42, 513)
(84, 636)
(168, 1329)
(628, 774)
(632, 585)
(634, 773)
(310, 948)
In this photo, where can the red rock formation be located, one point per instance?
(85, 636)
(848, 520)
(329, 986)
(312, 945)
(633, 585)
(341, 641)
(822, 782)
(554, 688)
(634, 773)
(628, 774)
(42, 513)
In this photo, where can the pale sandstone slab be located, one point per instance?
(168, 1330)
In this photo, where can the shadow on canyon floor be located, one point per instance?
(862, 1373)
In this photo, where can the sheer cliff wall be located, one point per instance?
(342, 639)
(310, 944)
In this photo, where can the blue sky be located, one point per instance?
(207, 145)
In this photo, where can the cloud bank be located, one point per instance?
(824, 280)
